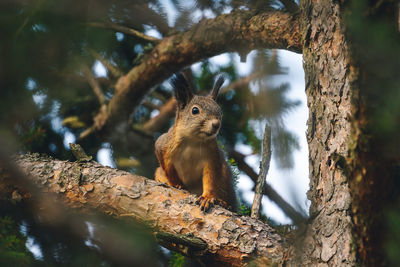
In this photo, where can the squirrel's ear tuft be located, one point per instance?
(218, 83)
(183, 92)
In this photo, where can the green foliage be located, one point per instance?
(12, 245)
(393, 237)
(244, 210)
(176, 260)
(235, 171)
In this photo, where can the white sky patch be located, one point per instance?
(31, 84)
(222, 59)
(31, 244)
(120, 36)
(56, 124)
(296, 179)
(104, 156)
(154, 113)
(151, 31)
(33, 247)
(39, 99)
(244, 67)
(90, 227)
(23, 228)
(99, 69)
(171, 12)
(68, 138)
(89, 242)
(216, 61)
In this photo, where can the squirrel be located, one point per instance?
(189, 155)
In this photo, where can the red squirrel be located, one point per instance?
(189, 154)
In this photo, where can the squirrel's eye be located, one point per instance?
(195, 110)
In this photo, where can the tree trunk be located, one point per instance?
(347, 201)
(329, 92)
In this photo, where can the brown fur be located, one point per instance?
(189, 154)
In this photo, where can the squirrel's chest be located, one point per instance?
(189, 163)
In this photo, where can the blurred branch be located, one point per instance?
(172, 214)
(149, 105)
(206, 39)
(126, 30)
(264, 167)
(291, 212)
(94, 84)
(290, 6)
(113, 69)
(156, 123)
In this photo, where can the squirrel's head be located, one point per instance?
(198, 117)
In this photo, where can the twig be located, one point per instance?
(291, 212)
(126, 30)
(264, 167)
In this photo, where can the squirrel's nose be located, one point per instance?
(215, 124)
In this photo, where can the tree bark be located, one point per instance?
(220, 236)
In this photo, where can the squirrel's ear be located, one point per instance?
(218, 83)
(183, 92)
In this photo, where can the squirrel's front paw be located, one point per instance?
(207, 202)
(179, 186)
(176, 185)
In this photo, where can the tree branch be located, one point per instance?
(220, 235)
(238, 30)
(158, 122)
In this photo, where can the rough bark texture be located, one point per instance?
(220, 236)
(329, 236)
(238, 31)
